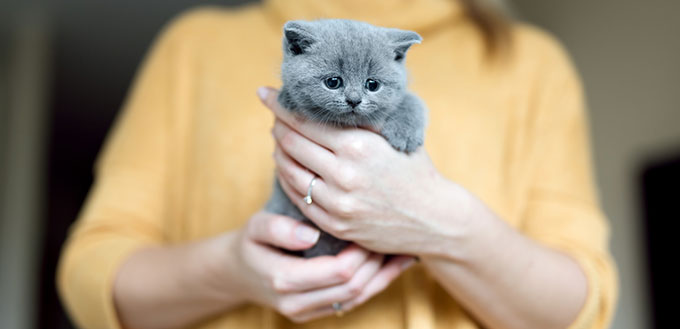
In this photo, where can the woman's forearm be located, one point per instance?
(172, 287)
(506, 279)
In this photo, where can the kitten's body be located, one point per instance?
(316, 53)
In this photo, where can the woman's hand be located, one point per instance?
(366, 191)
(177, 286)
(304, 289)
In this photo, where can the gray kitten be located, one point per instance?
(349, 74)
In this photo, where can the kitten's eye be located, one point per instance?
(334, 82)
(372, 85)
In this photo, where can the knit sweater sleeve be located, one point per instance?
(562, 210)
(124, 210)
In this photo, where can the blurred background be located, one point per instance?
(65, 67)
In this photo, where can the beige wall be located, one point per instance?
(628, 53)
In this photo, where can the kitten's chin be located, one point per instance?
(344, 117)
(354, 119)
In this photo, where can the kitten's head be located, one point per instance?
(344, 72)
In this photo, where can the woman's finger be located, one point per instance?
(282, 231)
(310, 301)
(324, 135)
(388, 273)
(306, 152)
(314, 212)
(299, 178)
(320, 312)
(378, 282)
(296, 274)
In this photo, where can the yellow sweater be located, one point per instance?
(190, 155)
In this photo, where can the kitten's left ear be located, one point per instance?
(298, 36)
(402, 41)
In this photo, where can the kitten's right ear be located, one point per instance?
(401, 41)
(298, 37)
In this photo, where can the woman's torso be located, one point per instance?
(221, 166)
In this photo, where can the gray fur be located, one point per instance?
(354, 51)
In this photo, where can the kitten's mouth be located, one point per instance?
(347, 116)
(355, 111)
(353, 117)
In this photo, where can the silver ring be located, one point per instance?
(308, 198)
(337, 307)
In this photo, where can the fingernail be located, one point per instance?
(262, 92)
(307, 234)
(408, 263)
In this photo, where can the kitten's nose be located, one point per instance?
(353, 102)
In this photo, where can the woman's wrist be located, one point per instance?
(214, 264)
(485, 260)
(174, 286)
(462, 224)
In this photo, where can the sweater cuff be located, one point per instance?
(593, 313)
(86, 279)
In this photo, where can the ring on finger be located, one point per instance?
(308, 198)
(337, 307)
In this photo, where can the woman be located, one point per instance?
(503, 218)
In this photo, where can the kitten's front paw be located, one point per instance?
(403, 140)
